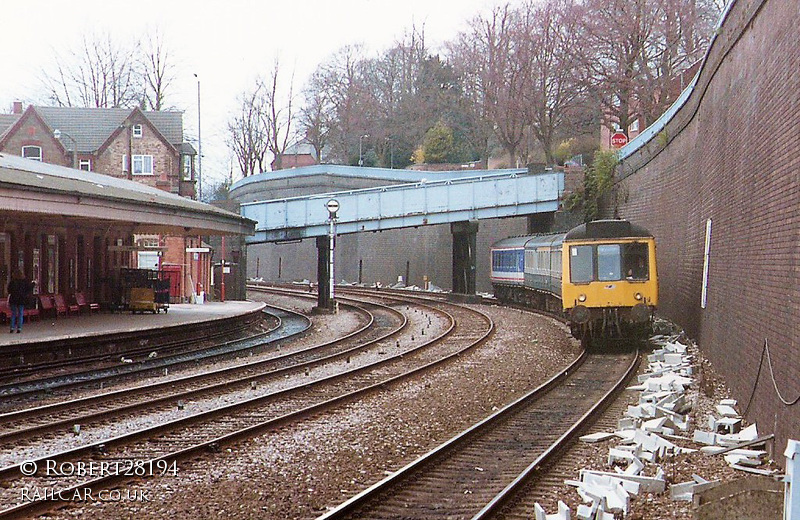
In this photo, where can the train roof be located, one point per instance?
(607, 229)
(511, 243)
(527, 241)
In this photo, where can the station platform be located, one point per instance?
(102, 323)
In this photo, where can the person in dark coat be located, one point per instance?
(19, 290)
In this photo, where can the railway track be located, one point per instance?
(58, 356)
(289, 324)
(27, 426)
(388, 360)
(474, 474)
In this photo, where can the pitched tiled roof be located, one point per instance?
(91, 127)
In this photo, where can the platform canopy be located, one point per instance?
(33, 192)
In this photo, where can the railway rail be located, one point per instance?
(26, 425)
(289, 324)
(477, 472)
(60, 354)
(387, 361)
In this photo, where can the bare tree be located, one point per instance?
(317, 115)
(102, 73)
(546, 34)
(278, 118)
(341, 77)
(247, 134)
(636, 48)
(157, 70)
(486, 57)
(263, 125)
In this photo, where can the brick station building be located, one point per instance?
(72, 231)
(147, 147)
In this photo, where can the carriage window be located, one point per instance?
(634, 261)
(609, 263)
(581, 264)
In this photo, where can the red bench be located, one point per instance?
(5, 312)
(62, 307)
(83, 305)
(46, 305)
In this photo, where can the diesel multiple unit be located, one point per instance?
(601, 275)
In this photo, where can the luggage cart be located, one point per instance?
(142, 290)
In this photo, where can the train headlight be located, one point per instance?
(638, 296)
(582, 298)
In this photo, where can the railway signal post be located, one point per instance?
(325, 261)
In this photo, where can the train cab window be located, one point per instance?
(635, 261)
(609, 265)
(581, 264)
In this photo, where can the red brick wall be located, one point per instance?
(32, 132)
(732, 154)
(166, 163)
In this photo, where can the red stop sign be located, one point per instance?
(618, 140)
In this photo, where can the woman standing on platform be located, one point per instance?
(19, 290)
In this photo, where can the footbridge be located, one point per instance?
(459, 201)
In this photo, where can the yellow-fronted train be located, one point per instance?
(602, 276)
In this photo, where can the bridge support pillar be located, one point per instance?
(324, 302)
(464, 258)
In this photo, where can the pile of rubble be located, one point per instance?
(655, 430)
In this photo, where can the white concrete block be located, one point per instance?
(616, 455)
(708, 438)
(729, 425)
(673, 359)
(654, 425)
(596, 437)
(683, 491)
(733, 459)
(585, 512)
(564, 512)
(538, 512)
(627, 423)
(655, 484)
(748, 434)
(791, 500)
(625, 435)
(729, 402)
(726, 411)
(635, 467)
(675, 347)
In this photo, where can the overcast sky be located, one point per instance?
(227, 43)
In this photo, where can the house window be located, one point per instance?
(143, 165)
(137, 130)
(86, 165)
(634, 126)
(32, 152)
(187, 167)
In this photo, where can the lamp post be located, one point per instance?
(57, 134)
(199, 147)
(360, 148)
(391, 152)
(332, 206)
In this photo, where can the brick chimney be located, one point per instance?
(17, 107)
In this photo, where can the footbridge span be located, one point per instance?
(460, 201)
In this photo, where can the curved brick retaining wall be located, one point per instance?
(732, 154)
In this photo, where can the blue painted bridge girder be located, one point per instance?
(406, 205)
